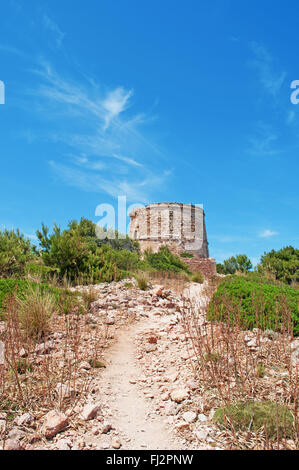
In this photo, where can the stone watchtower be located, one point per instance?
(179, 226)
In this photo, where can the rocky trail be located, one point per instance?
(148, 391)
(132, 414)
(146, 397)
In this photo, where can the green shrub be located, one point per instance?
(282, 264)
(185, 254)
(89, 296)
(220, 268)
(256, 415)
(129, 285)
(15, 252)
(255, 304)
(164, 260)
(80, 255)
(197, 277)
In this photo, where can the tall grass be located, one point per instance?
(35, 310)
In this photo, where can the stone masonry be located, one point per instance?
(179, 226)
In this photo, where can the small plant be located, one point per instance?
(185, 254)
(142, 281)
(22, 366)
(212, 357)
(128, 285)
(96, 364)
(260, 370)
(197, 277)
(35, 310)
(274, 418)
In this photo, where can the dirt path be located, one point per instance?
(132, 414)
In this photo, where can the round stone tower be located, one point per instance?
(179, 226)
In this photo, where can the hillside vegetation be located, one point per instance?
(256, 304)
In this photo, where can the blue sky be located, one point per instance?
(183, 101)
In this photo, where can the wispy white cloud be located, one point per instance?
(271, 79)
(54, 29)
(264, 142)
(115, 103)
(109, 151)
(134, 189)
(267, 233)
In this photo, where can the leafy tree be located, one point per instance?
(78, 253)
(15, 252)
(283, 264)
(237, 263)
(220, 268)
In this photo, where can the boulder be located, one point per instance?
(54, 422)
(25, 420)
(13, 444)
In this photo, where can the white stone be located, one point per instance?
(202, 417)
(25, 419)
(90, 411)
(202, 434)
(63, 444)
(84, 365)
(179, 395)
(189, 416)
(115, 443)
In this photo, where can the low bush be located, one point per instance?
(256, 415)
(164, 260)
(254, 304)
